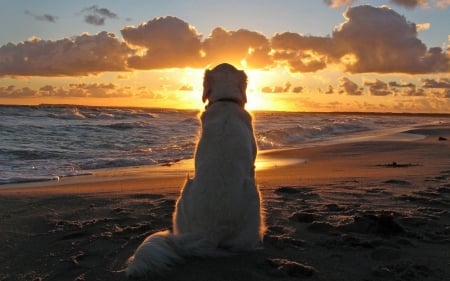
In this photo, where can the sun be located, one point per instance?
(256, 99)
(186, 91)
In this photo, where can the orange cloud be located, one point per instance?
(303, 53)
(235, 46)
(378, 88)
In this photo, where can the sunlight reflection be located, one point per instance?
(264, 162)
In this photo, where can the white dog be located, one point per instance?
(219, 210)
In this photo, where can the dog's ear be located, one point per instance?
(206, 86)
(243, 86)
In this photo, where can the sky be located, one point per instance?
(299, 55)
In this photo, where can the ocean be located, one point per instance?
(47, 142)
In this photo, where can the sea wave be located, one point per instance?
(298, 134)
(52, 141)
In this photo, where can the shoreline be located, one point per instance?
(346, 213)
(266, 159)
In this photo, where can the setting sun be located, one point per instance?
(127, 123)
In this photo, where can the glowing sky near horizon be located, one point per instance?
(307, 55)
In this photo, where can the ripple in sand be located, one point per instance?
(288, 268)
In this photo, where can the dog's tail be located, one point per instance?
(163, 249)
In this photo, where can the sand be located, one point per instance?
(368, 210)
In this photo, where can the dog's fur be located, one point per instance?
(219, 210)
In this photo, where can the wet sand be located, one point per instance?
(366, 210)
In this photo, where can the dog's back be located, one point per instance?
(223, 198)
(220, 207)
(226, 139)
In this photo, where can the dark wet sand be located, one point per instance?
(348, 213)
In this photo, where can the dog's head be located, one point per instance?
(225, 82)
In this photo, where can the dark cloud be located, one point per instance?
(330, 90)
(443, 83)
(81, 55)
(14, 92)
(346, 86)
(410, 4)
(44, 17)
(395, 84)
(94, 19)
(281, 89)
(47, 91)
(167, 42)
(97, 16)
(297, 89)
(378, 88)
(414, 92)
(96, 90)
(77, 90)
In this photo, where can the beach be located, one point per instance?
(373, 209)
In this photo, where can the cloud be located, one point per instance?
(409, 4)
(378, 88)
(44, 17)
(446, 93)
(443, 83)
(94, 19)
(383, 41)
(297, 89)
(14, 92)
(370, 40)
(443, 4)
(80, 55)
(75, 90)
(330, 90)
(186, 88)
(165, 42)
(235, 46)
(414, 92)
(338, 3)
(97, 16)
(423, 26)
(346, 86)
(377, 40)
(303, 53)
(395, 84)
(281, 89)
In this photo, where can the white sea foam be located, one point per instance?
(47, 142)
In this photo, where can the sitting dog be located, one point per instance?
(219, 210)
